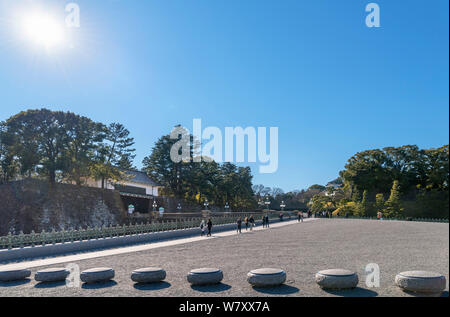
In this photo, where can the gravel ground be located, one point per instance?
(300, 249)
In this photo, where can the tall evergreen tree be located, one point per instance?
(363, 208)
(115, 153)
(393, 205)
(379, 203)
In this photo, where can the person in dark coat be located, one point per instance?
(239, 225)
(209, 225)
(267, 222)
(252, 222)
(263, 221)
(246, 223)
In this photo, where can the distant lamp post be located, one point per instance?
(267, 202)
(282, 206)
(206, 204)
(179, 208)
(227, 207)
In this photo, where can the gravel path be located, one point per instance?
(300, 249)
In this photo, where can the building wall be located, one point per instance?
(150, 190)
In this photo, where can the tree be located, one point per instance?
(379, 203)
(376, 170)
(277, 192)
(83, 139)
(168, 173)
(8, 165)
(363, 206)
(322, 203)
(120, 151)
(38, 141)
(198, 181)
(356, 197)
(115, 153)
(63, 146)
(393, 205)
(317, 187)
(258, 189)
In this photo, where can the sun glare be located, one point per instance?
(42, 29)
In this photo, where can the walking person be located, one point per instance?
(263, 221)
(246, 223)
(203, 227)
(300, 216)
(380, 215)
(209, 225)
(239, 225)
(252, 223)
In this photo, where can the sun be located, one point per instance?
(43, 29)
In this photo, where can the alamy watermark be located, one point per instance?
(373, 275)
(373, 18)
(73, 280)
(209, 144)
(73, 15)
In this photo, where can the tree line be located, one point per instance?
(63, 147)
(198, 182)
(399, 182)
(66, 147)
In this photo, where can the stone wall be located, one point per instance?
(35, 205)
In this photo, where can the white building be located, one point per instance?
(136, 189)
(135, 182)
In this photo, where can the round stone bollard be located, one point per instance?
(51, 275)
(97, 275)
(266, 277)
(148, 275)
(421, 282)
(14, 275)
(337, 279)
(205, 276)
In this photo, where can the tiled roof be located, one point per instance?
(141, 178)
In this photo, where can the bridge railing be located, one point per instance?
(396, 219)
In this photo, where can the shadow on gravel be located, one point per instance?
(412, 294)
(152, 287)
(99, 285)
(280, 290)
(356, 292)
(50, 285)
(211, 288)
(16, 283)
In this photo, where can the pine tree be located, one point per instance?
(380, 203)
(356, 197)
(364, 205)
(393, 205)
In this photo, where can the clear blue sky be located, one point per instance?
(312, 68)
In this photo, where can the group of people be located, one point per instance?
(249, 223)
